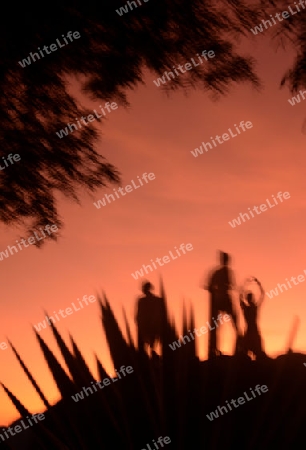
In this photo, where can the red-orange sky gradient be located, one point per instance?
(190, 201)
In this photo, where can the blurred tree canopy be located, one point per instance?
(111, 57)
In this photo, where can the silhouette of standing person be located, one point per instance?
(220, 282)
(252, 340)
(149, 316)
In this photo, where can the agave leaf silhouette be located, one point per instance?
(42, 434)
(64, 383)
(170, 395)
(82, 366)
(30, 376)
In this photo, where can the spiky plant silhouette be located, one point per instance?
(169, 395)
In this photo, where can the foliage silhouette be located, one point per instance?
(109, 59)
(166, 396)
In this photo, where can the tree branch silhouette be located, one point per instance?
(111, 57)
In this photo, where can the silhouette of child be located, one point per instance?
(149, 316)
(251, 340)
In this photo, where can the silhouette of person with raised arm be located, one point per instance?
(149, 316)
(252, 339)
(220, 282)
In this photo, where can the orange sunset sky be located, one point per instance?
(191, 200)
